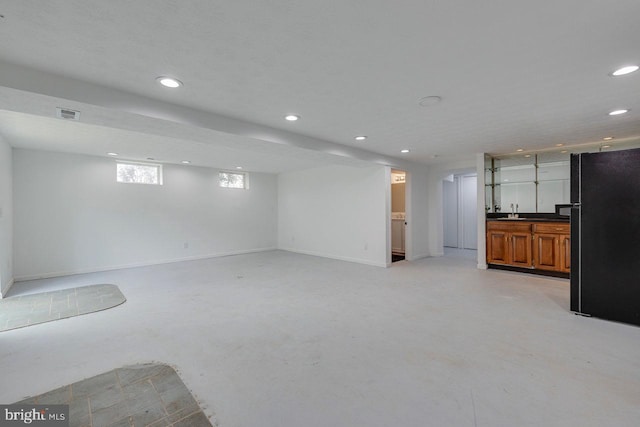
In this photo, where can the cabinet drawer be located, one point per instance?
(509, 226)
(553, 228)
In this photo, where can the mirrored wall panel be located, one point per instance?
(527, 183)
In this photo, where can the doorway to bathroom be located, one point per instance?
(398, 215)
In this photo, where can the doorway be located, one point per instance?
(398, 215)
(460, 209)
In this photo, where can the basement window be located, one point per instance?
(233, 180)
(138, 173)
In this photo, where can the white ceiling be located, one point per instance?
(511, 73)
(49, 134)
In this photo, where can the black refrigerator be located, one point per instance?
(605, 235)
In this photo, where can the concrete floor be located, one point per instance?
(280, 339)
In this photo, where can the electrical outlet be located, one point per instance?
(186, 245)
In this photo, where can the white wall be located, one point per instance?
(450, 212)
(469, 214)
(418, 214)
(336, 212)
(482, 213)
(6, 217)
(71, 216)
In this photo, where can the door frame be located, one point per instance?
(408, 250)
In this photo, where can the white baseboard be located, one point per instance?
(134, 265)
(339, 258)
(482, 266)
(5, 290)
(419, 256)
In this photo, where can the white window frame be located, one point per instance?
(158, 166)
(246, 179)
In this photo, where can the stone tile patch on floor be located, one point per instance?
(27, 310)
(132, 396)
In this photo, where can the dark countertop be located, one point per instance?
(528, 217)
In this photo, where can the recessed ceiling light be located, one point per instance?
(112, 154)
(169, 82)
(559, 145)
(625, 70)
(360, 138)
(428, 101)
(527, 155)
(291, 117)
(564, 151)
(186, 162)
(519, 150)
(404, 151)
(607, 138)
(238, 167)
(618, 112)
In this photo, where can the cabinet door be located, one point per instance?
(520, 249)
(565, 253)
(546, 251)
(497, 242)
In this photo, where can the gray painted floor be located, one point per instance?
(279, 339)
(131, 396)
(27, 310)
(460, 253)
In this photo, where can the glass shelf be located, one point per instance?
(524, 173)
(535, 183)
(553, 171)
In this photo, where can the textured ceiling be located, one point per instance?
(510, 73)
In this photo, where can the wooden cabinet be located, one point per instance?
(509, 243)
(497, 242)
(532, 245)
(547, 251)
(565, 252)
(552, 247)
(520, 249)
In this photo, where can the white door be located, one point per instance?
(459, 210)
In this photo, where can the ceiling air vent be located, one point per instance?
(67, 114)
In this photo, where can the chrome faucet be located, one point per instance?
(514, 211)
